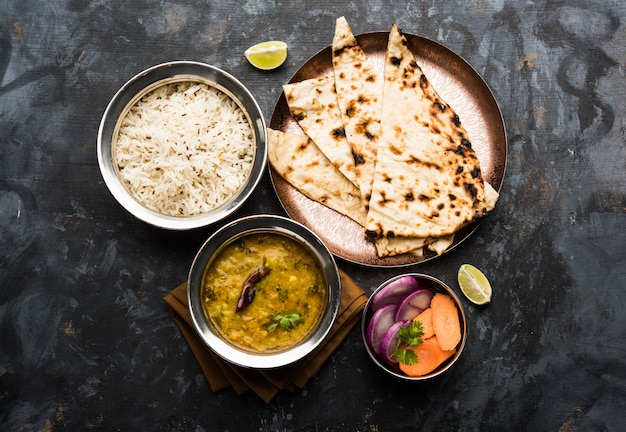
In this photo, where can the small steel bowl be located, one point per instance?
(436, 286)
(232, 232)
(139, 86)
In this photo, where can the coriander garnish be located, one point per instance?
(285, 321)
(409, 335)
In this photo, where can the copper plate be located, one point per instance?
(457, 83)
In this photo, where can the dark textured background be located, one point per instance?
(86, 341)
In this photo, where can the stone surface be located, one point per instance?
(86, 341)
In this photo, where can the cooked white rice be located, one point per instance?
(184, 149)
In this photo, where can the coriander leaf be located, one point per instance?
(285, 321)
(409, 335)
(406, 356)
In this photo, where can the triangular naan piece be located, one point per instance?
(491, 197)
(391, 246)
(441, 244)
(313, 104)
(428, 181)
(359, 92)
(299, 161)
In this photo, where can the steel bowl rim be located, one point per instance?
(224, 236)
(153, 77)
(442, 287)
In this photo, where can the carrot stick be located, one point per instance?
(429, 357)
(426, 317)
(446, 321)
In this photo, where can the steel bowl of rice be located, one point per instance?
(182, 145)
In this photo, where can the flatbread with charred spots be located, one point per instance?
(427, 181)
(298, 160)
(415, 180)
(313, 104)
(359, 93)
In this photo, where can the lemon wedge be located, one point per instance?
(267, 55)
(474, 284)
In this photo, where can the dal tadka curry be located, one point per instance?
(264, 292)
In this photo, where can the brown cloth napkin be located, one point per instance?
(267, 383)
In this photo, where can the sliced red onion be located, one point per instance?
(389, 341)
(394, 292)
(413, 304)
(382, 319)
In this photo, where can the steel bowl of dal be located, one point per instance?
(263, 292)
